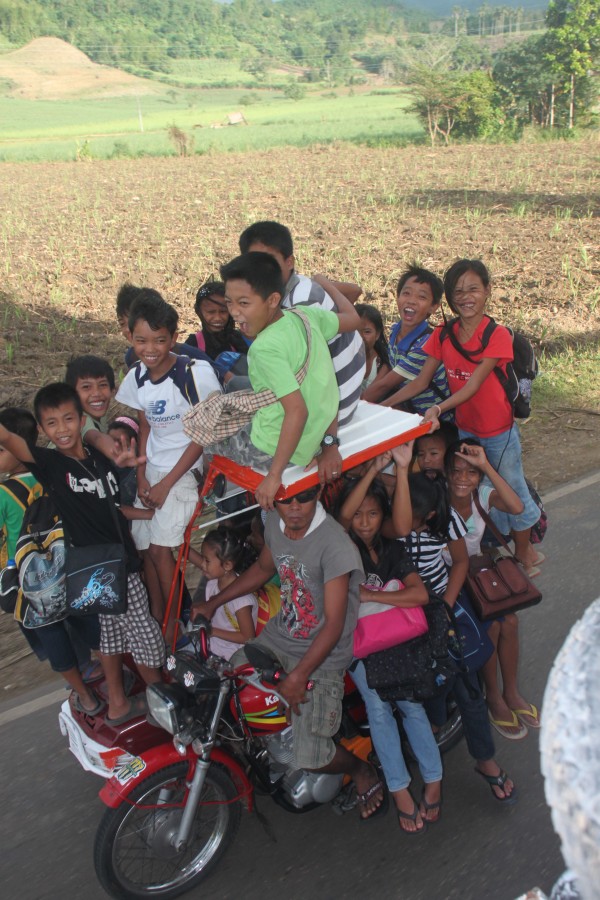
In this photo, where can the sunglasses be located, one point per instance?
(303, 496)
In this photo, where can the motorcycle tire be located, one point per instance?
(133, 855)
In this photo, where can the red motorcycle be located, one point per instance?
(175, 808)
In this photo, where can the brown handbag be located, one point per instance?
(498, 585)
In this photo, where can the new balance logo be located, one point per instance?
(157, 408)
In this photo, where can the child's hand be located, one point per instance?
(432, 416)
(475, 455)
(156, 496)
(126, 456)
(265, 492)
(402, 455)
(382, 461)
(143, 489)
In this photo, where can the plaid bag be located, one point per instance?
(222, 415)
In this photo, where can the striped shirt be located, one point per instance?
(347, 350)
(426, 552)
(407, 357)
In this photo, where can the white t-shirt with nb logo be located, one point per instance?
(164, 403)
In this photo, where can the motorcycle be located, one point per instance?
(174, 809)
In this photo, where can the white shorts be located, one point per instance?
(166, 527)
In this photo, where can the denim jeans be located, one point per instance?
(386, 737)
(474, 713)
(504, 453)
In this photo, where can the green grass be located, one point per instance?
(569, 378)
(44, 130)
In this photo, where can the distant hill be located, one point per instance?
(444, 7)
(50, 69)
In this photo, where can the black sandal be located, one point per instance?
(411, 817)
(499, 781)
(429, 806)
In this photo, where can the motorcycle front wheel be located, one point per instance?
(134, 854)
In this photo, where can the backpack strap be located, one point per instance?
(490, 523)
(201, 340)
(448, 332)
(184, 379)
(18, 489)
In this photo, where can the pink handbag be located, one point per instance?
(381, 626)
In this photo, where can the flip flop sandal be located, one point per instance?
(499, 781)
(97, 709)
(541, 557)
(533, 713)
(430, 806)
(411, 817)
(92, 671)
(363, 799)
(502, 726)
(137, 707)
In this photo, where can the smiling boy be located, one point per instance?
(418, 295)
(346, 348)
(78, 479)
(292, 428)
(162, 387)
(94, 380)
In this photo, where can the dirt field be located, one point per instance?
(71, 233)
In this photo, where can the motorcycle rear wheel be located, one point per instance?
(133, 855)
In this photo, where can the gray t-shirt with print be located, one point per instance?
(304, 567)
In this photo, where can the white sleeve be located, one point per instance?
(129, 393)
(204, 378)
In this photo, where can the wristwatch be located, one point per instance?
(330, 440)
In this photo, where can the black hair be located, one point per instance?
(152, 308)
(226, 339)
(229, 546)
(423, 276)
(21, 422)
(366, 311)
(271, 234)
(89, 366)
(453, 449)
(260, 270)
(447, 431)
(429, 496)
(122, 423)
(377, 491)
(457, 270)
(54, 395)
(128, 294)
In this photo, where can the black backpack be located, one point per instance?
(421, 668)
(519, 373)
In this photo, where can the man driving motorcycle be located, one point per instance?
(311, 637)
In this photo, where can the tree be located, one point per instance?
(572, 43)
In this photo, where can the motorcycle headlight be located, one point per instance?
(166, 705)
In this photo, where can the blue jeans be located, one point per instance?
(386, 737)
(474, 713)
(504, 453)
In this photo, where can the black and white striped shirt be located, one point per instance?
(425, 552)
(347, 350)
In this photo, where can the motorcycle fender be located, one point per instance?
(118, 788)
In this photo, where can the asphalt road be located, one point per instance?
(479, 849)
